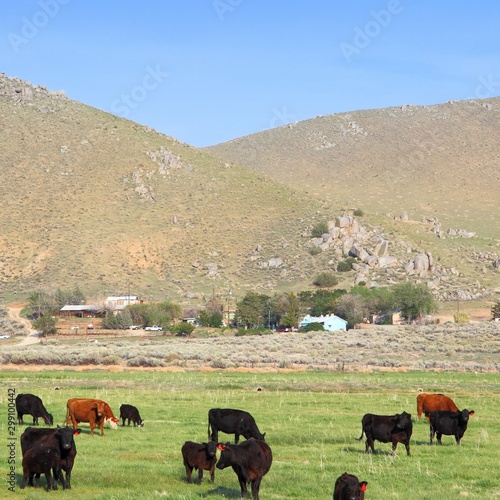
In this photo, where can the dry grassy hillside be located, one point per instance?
(99, 202)
(441, 161)
(93, 200)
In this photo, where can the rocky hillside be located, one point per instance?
(441, 161)
(99, 202)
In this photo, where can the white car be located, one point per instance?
(4, 336)
(154, 328)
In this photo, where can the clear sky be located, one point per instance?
(207, 71)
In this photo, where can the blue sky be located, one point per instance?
(207, 71)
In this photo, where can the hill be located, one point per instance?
(441, 161)
(97, 201)
(111, 206)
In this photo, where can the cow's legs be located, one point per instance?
(438, 437)
(432, 433)
(200, 474)
(189, 471)
(236, 438)
(243, 485)
(255, 488)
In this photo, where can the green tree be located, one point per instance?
(325, 280)
(46, 324)
(210, 318)
(313, 327)
(320, 302)
(414, 300)
(251, 310)
(352, 308)
(183, 328)
(289, 307)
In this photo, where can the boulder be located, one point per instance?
(421, 262)
(387, 261)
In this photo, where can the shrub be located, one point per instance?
(345, 266)
(319, 229)
(325, 280)
(183, 328)
(111, 360)
(358, 212)
(315, 251)
(253, 331)
(461, 318)
(143, 361)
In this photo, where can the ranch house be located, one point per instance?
(330, 322)
(119, 303)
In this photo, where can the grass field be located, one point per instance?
(311, 420)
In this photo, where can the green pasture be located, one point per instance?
(311, 420)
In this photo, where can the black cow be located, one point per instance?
(42, 458)
(237, 422)
(387, 429)
(130, 413)
(450, 423)
(251, 460)
(201, 457)
(29, 404)
(61, 438)
(348, 487)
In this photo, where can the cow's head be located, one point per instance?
(465, 414)
(113, 422)
(100, 408)
(226, 457)
(211, 447)
(48, 419)
(403, 420)
(351, 487)
(65, 435)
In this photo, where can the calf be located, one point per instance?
(237, 422)
(201, 457)
(348, 487)
(450, 423)
(250, 460)
(387, 429)
(426, 403)
(29, 404)
(61, 438)
(130, 413)
(41, 459)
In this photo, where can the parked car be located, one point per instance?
(154, 328)
(136, 327)
(4, 336)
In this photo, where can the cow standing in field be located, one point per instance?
(130, 413)
(61, 438)
(426, 403)
(42, 458)
(94, 411)
(201, 457)
(348, 487)
(450, 423)
(250, 460)
(237, 422)
(387, 429)
(29, 404)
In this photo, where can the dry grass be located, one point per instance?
(472, 347)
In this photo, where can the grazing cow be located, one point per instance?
(130, 413)
(433, 402)
(29, 404)
(42, 458)
(348, 487)
(387, 429)
(251, 460)
(237, 422)
(450, 423)
(93, 411)
(60, 437)
(201, 457)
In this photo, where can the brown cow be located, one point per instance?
(94, 411)
(426, 403)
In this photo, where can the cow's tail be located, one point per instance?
(362, 432)
(209, 436)
(66, 421)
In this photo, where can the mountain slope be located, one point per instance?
(93, 200)
(441, 160)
